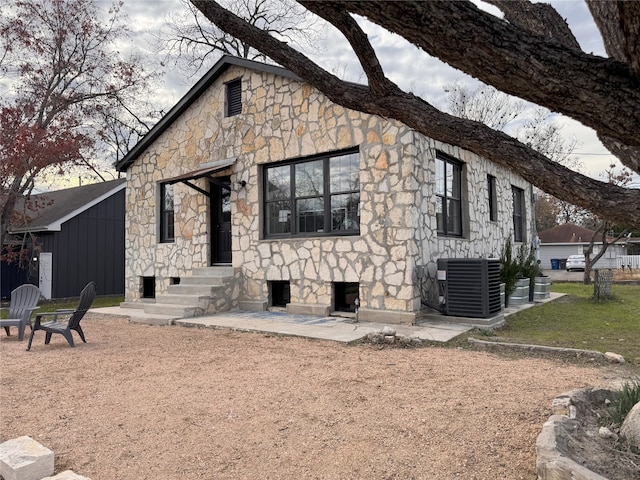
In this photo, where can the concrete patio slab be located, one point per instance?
(324, 328)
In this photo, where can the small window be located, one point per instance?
(493, 198)
(234, 98)
(148, 287)
(448, 195)
(166, 213)
(346, 296)
(518, 214)
(280, 293)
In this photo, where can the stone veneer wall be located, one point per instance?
(284, 119)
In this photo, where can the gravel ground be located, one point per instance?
(142, 402)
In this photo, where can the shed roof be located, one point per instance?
(48, 211)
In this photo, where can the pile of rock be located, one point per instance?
(389, 336)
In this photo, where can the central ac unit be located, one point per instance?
(470, 286)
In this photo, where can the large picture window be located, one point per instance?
(317, 196)
(518, 214)
(166, 213)
(448, 195)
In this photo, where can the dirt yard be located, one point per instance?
(141, 402)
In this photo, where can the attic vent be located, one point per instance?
(234, 97)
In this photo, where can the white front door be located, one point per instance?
(46, 271)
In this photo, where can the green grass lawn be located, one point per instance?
(50, 306)
(579, 321)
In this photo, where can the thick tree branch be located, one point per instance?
(542, 19)
(608, 200)
(619, 23)
(517, 62)
(539, 18)
(378, 82)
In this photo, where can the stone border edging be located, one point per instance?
(541, 348)
(551, 462)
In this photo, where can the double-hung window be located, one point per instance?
(518, 214)
(166, 213)
(448, 195)
(311, 197)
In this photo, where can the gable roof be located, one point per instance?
(567, 233)
(58, 206)
(191, 96)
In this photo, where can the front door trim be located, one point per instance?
(220, 238)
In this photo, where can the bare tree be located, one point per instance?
(614, 176)
(485, 104)
(65, 79)
(194, 43)
(534, 126)
(536, 59)
(546, 212)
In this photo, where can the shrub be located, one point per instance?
(527, 262)
(509, 268)
(627, 398)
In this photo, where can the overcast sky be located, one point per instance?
(404, 64)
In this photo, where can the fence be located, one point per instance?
(631, 262)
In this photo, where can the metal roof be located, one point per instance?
(48, 211)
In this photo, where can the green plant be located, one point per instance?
(627, 398)
(509, 268)
(528, 267)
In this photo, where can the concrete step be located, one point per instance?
(202, 290)
(212, 272)
(205, 280)
(200, 301)
(179, 311)
(135, 305)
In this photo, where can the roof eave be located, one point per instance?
(191, 96)
(56, 225)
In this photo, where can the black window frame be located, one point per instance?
(233, 97)
(519, 220)
(447, 226)
(167, 216)
(493, 198)
(348, 226)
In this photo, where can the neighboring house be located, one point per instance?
(568, 239)
(78, 237)
(302, 204)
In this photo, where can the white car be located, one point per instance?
(575, 262)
